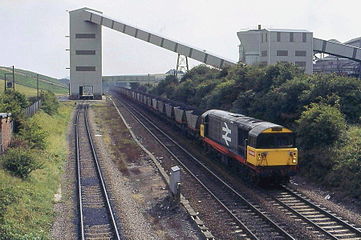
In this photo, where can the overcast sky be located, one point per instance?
(32, 32)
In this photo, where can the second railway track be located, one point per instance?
(323, 223)
(96, 216)
(243, 219)
(319, 221)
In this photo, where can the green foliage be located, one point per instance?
(33, 134)
(49, 103)
(7, 197)
(166, 86)
(20, 162)
(346, 172)
(184, 91)
(319, 106)
(222, 95)
(14, 102)
(320, 125)
(31, 212)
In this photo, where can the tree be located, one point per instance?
(49, 102)
(14, 102)
(320, 125)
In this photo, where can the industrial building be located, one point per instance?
(259, 46)
(269, 46)
(85, 57)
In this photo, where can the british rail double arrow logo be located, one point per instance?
(227, 132)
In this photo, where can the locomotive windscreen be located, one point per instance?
(276, 140)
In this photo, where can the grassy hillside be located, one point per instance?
(26, 205)
(28, 79)
(27, 91)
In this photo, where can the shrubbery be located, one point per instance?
(14, 102)
(320, 125)
(20, 162)
(33, 135)
(50, 103)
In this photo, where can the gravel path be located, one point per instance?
(65, 207)
(137, 190)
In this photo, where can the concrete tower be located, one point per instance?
(85, 57)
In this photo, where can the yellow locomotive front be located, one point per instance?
(272, 151)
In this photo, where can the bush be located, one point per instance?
(50, 103)
(346, 174)
(320, 125)
(33, 135)
(14, 102)
(20, 162)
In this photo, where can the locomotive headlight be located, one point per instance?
(293, 156)
(259, 157)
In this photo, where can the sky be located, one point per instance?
(32, 32)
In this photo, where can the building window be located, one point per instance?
(85, 35)
(301, 64)
(291, 37)
(304, 37)
(266, 37)
(85, 68)
(282, 53)
(264, 53)
(300, 53)
(85, 52)
(261, 37)
(278, 37)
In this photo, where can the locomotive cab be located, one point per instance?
(273, 150)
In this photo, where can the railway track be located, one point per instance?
(95, 212)
(244, 219)
(323, 223)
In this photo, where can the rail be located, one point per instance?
(98, 181)
(226, 206)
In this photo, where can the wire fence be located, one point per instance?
(32, 109)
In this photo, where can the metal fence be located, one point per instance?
(32, 109)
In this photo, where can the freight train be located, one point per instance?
(259, 150)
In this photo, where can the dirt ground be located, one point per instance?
(137, 189)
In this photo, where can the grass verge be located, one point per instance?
(29, 214)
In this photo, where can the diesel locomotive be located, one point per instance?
(259, 150)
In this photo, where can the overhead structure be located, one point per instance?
(269, 46)
(337, 49)
(85, 49)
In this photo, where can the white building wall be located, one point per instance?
(85, 55)
(273, 44)
(250, 46)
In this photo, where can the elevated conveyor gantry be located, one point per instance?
(337, 49)
(194, 53)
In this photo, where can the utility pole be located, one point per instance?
(5, 82)
(14, 78)
(37, 86)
